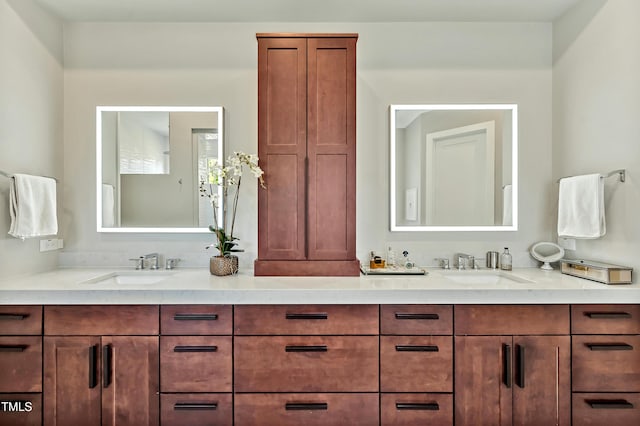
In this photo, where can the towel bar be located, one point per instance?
(7, 175)
(622, 173)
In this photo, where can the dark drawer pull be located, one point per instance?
(403, 316)
(521, 366)
(195, 317)
(13, 317)
(195, 406)
(310, 348)
(306, 406)
(417, 348)
(308, 316)
(609, 347)
(607, 315)
(195, 349)
(107, 353)
(609, 404)
(13, 348)
(93, 366)
(433, 406)
(506, 365)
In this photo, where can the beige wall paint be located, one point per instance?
(31, 92)
(596, 105)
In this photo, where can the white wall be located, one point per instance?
(215, 64)
(31, 91)
(596, 105)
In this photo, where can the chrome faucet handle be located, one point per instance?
(476, 262)
(443, 262)
(171, 263)
(139, 262)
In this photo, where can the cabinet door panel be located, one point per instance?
(72, 381)
(192, 320)
(21, 364)
(410, 409)
(542, 380)
(197, 409)
(484, 389)
(20, 320)
(407, 320)
(605, 319)
(130, 381)
(597, 409)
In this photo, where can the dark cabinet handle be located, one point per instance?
(13, 348)
(432, 406)
(607, 315)
(13, 317)
(309, 348)
(93, 366)
(609, 404)
(306, 406)
(308, 316)
(520, 363)
(417, 348)
(106, 365)
(506, 365)
(409, 316)
(195, 317)
(609, 347)
(195, 348)
(195, 406)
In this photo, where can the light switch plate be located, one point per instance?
(50, 244)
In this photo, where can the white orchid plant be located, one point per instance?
(228, 177)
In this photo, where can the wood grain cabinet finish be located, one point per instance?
(416, 319)
(98, 320)
(196, 319)
(605, 319)
(504, 380)
(306, 145)
(196, 363)
(197, 409)
(596, 409)
(306, 319)
(20, 364)
(285, 409)
(20, 320)
(411, 409)
(26, 409)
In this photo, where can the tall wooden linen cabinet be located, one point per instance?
(307, 149)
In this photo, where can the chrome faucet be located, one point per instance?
(171, 263)
(461, 260)
(153, 260)
(443, 262)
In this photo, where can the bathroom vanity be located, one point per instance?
(533, 347)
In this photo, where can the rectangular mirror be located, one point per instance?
(150, 161)
(454, 167)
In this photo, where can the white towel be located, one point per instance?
(108, 212)
(581, 207)
(507, 205)
(32, 206)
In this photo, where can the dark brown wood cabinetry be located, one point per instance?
(504, 379)
(306, 145)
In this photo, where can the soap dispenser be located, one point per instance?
(505, 260)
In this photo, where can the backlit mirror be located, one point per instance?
(454, 167)
(150, 161)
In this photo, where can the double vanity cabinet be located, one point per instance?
(320, 365)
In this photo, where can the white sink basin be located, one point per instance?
(130, 278)
(483, 277)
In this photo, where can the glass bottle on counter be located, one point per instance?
(506, 260)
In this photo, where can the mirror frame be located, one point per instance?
(99, 111)
(392, 169)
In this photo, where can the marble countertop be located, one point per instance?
(183, 286)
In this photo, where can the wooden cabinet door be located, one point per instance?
(282, 147)
(130, 382)
(483, 380)
(72, 381)
(542, 380)
(331, 147)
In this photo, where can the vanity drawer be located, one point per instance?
(20, 409)
(306, 319)
(195, 364)
(20, 320)
(20, 364)
(96, 320)
(416, 364)
(416, 319)
(306, 409)
(201, 409)
(606, 363)
(605, 319)
(597, 409)
(511, 319)
(410, 409)
(196, 319)
(306, 364)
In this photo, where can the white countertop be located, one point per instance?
(197, 286)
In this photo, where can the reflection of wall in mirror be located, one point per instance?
(110, 174)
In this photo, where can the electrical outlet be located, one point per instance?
(50, 244)
(567, 243)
